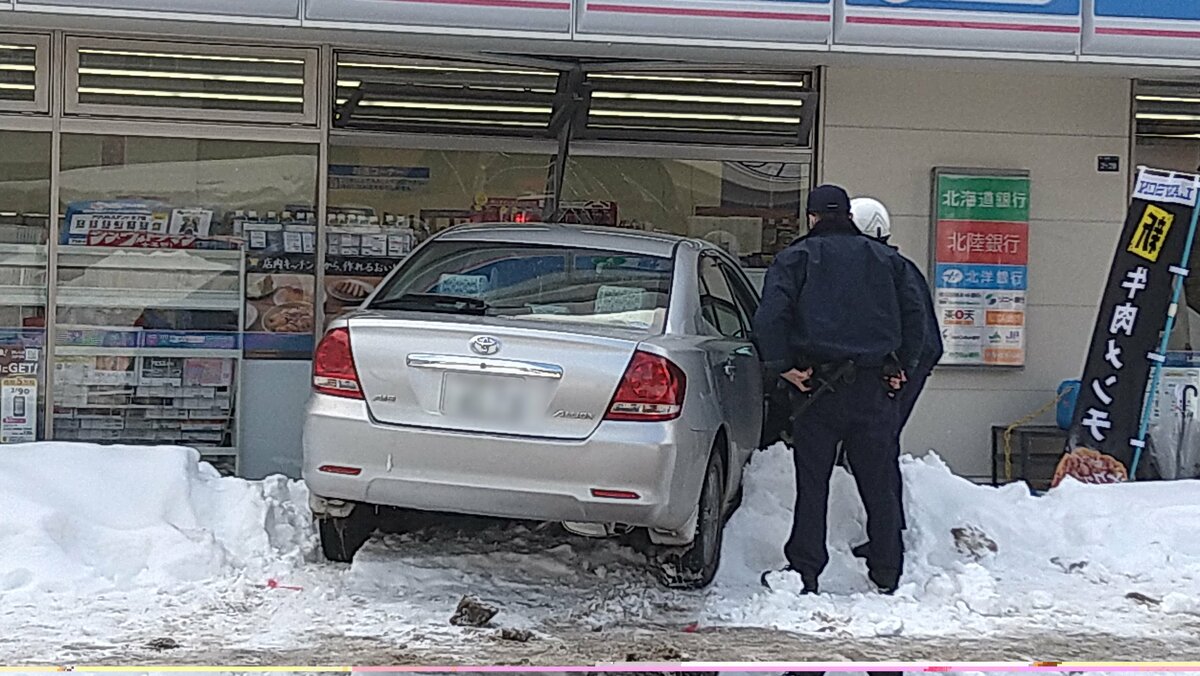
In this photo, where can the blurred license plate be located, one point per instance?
(489, 398)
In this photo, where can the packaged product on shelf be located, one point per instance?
(97, 336)
(207, 372)
(400, 243)
(191, 221)
(126, 216)
(264, 238)
(374, 245)
(107, 423)
(351, 245)
(160, 371)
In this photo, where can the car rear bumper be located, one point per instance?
(514, 477)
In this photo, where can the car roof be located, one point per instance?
(564, 234)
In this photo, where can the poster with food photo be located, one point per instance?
(344, 293)
(279, 314)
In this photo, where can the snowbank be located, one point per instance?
(85, 517)
(978, 550)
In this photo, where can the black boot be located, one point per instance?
(809, 587)
(887, 587)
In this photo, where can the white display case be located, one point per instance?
(148, 348)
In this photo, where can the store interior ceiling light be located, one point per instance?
(25, 68)
(607, 101)
(600, 112)
(1167, 109)
(1167, 116)
(107, 91)
(444, 69)
(471, 107)
(17, 87)
(190, 57)
(798, 84)
(686, 98)
(215, 77)
(1169, 99)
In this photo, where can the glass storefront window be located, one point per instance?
(383, 201)
(24, 205)
(751, 208)
(177, 257)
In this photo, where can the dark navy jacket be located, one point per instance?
(931, 350)
(835, 295)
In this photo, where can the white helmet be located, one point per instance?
(871, 217)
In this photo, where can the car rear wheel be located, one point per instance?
(695, 566)
(342, 537)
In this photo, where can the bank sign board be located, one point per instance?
(1144, 28)
(980, 252)
(1048, 26)
(792, 22)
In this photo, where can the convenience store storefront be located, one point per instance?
(187, 195)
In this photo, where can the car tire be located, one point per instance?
(342, 537)
(695, 566)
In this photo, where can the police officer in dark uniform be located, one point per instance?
(873, 220)
(842, 321)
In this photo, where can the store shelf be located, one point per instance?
(184, 352)
(169, 299)
(146, 259)
(23, 255)
(217, 452)
(22, 295)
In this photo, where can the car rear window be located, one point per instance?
(535, 283)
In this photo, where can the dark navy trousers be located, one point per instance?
(864, 420)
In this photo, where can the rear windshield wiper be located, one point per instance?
(436, 302)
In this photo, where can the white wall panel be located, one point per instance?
(1143, 28)
(781, 21)
(884, 132)
(541, 16)
(1042, 26)
(267, 9)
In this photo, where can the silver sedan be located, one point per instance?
(598, 377)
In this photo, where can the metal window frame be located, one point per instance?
(579, 148)
(41, 74)
(73, 107)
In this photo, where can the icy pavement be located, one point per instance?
(119, 554)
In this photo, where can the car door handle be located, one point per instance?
(729, 367)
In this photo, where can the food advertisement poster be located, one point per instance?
(357, 260)
(980, 253)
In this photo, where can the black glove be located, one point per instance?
(893, 376)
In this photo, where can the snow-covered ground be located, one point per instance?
(111, 554)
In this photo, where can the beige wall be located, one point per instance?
(885, 130)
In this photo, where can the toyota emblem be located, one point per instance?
(485, 345)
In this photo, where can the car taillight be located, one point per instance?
(651, 390)
(333, 366)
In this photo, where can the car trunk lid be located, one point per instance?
(473, 375)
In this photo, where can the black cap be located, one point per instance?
(828, 199)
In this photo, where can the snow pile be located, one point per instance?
(977, 550)
(79, 517)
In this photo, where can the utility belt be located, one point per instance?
(827, 377)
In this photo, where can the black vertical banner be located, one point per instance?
(1129, 325)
